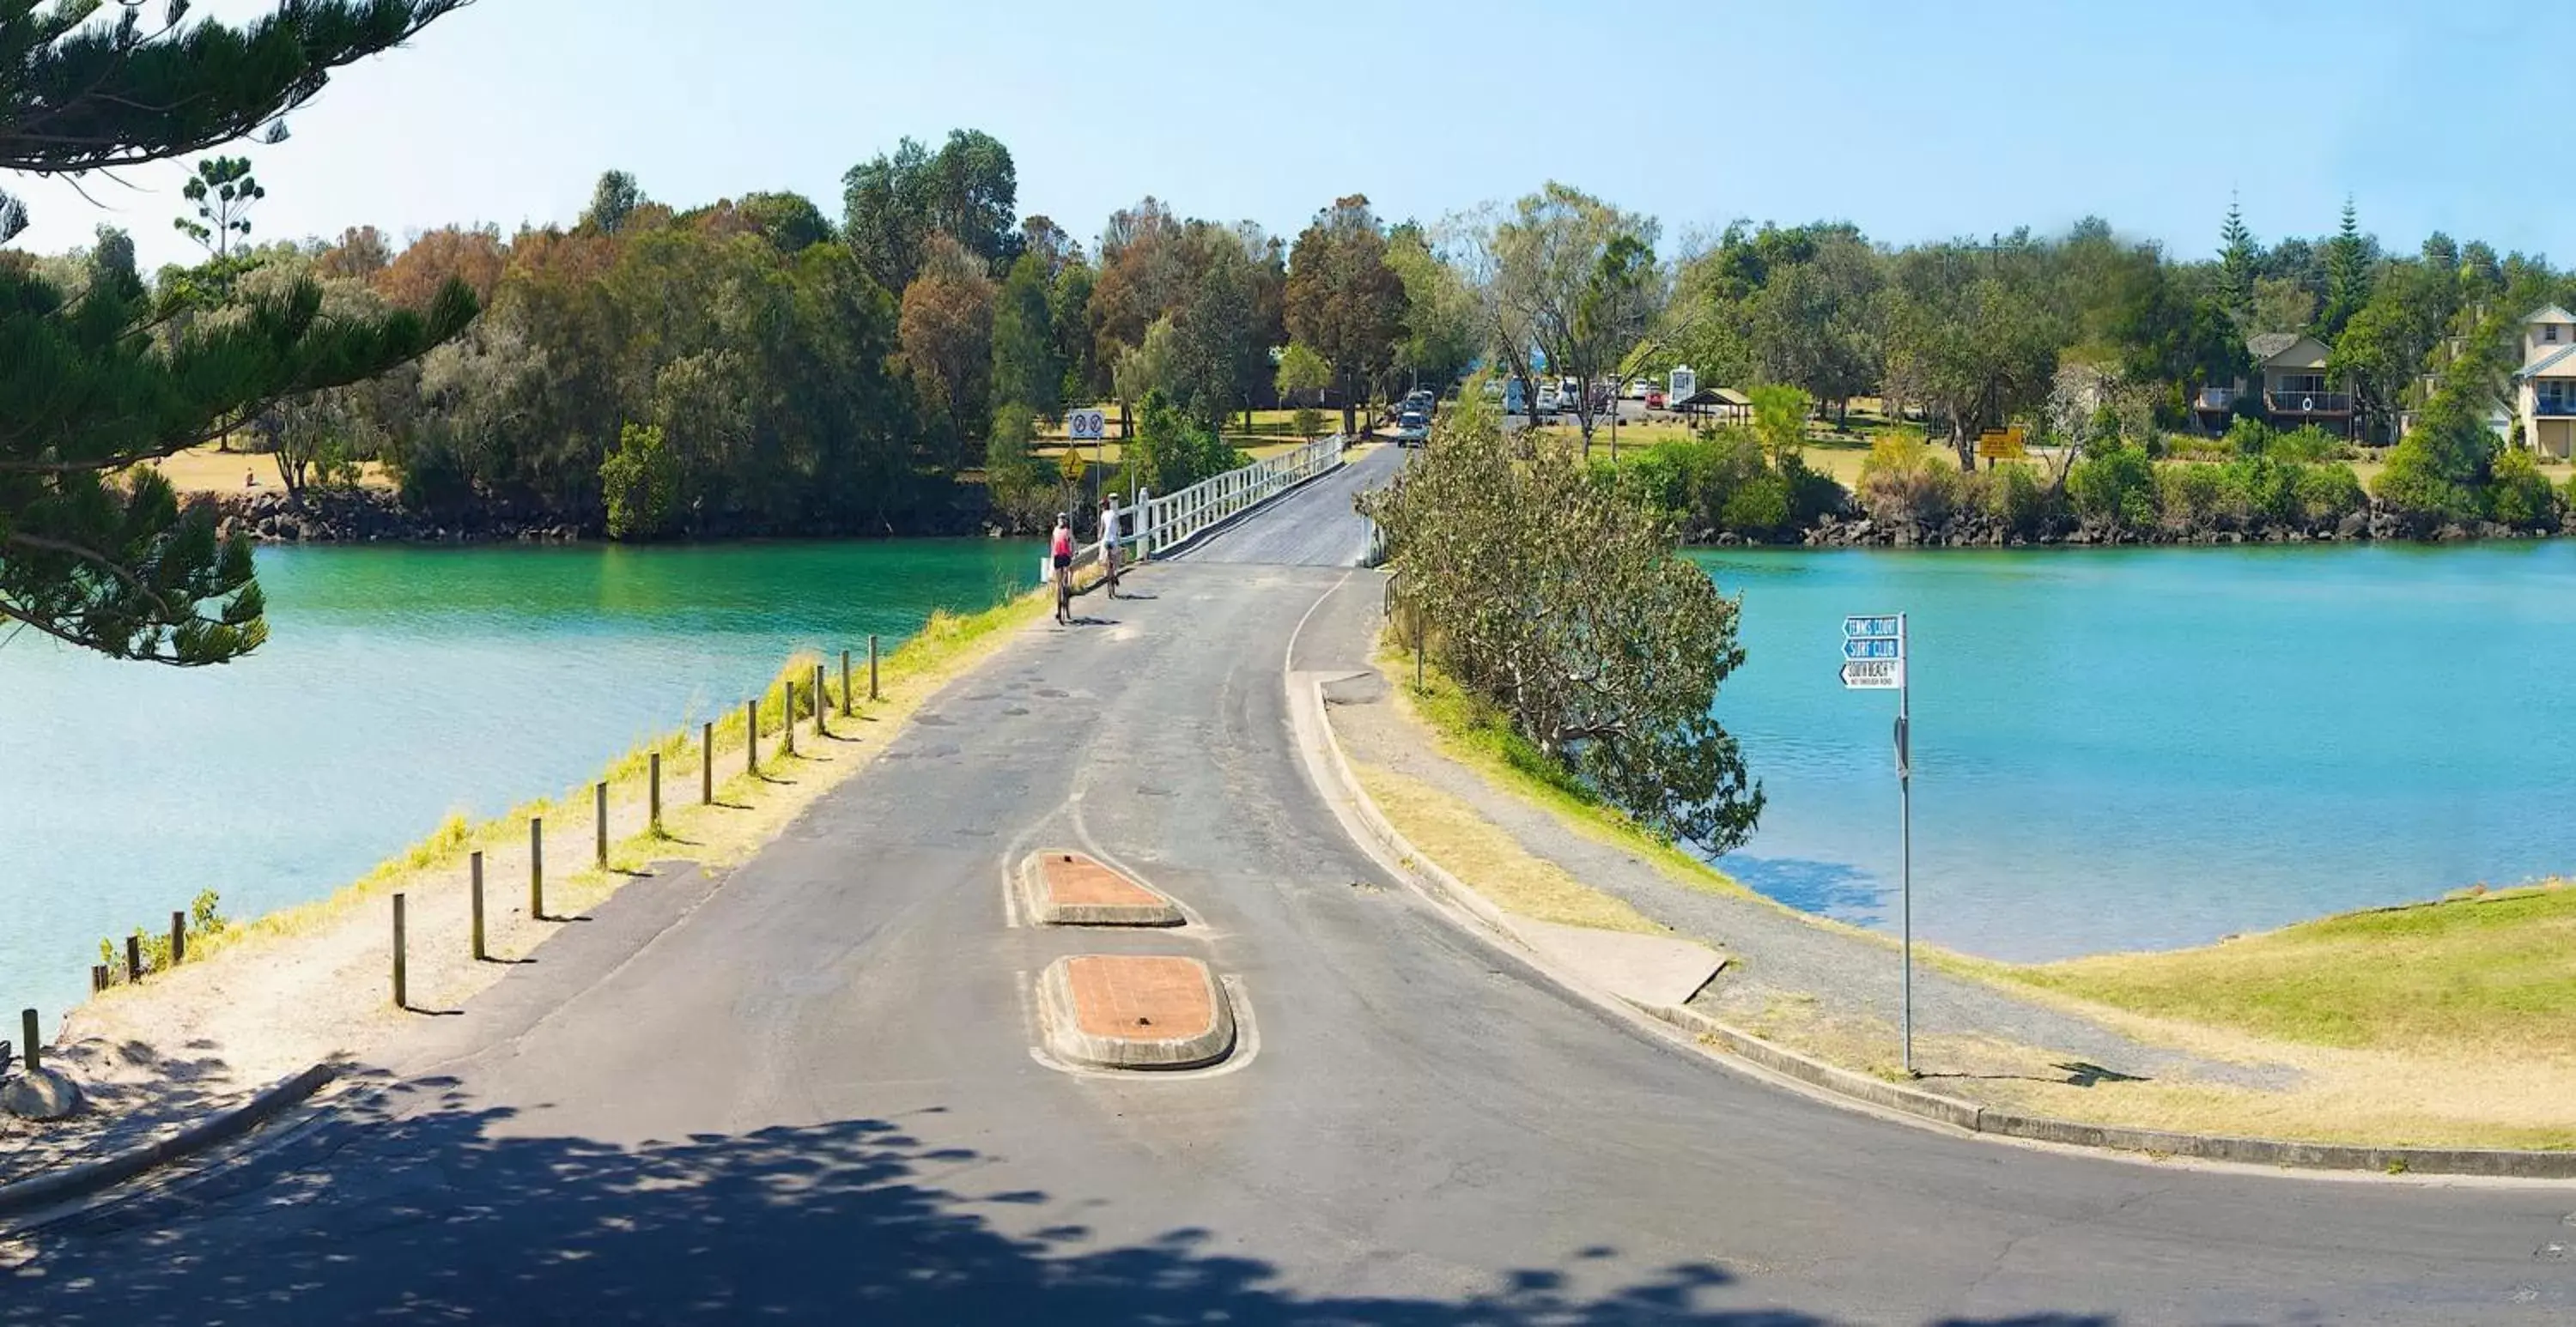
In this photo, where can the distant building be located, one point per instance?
(2545, 385)
(2289, 386)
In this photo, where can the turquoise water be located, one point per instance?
(2147, 748)
(398, 685)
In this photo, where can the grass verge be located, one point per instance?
(1451, 833)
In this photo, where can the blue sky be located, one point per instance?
(1915, 120)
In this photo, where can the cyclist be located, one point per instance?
(1062, 550)
(1109, 542)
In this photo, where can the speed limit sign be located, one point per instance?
(1085, 425)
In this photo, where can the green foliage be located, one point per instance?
(2438, 474)
(110, 376)
(1722, 481)
(2518, 495)
(2327, 493)
(894, 204)
(1558, 599)
(1023, 492)
(1344, 302)
(640, 482)
(1026, 367)
(1906, 481)
(1171, 451)
(2114, 489)
(223, 191)
(205, 921)
(1780, 420)
(2014, 496)
(1302, 370)
(1308, 422)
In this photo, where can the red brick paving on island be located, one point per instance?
(1140, 997)
(1073, 880)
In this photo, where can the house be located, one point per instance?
(2545, 385)
(2289, 384)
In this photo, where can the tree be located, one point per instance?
(1218, 352)
(968, 191)
(2238, 257)
(2383, 347)
(2281, 304)
(1557, 598)
(947, 333)
(361, 254)
(612, 202)
(1439, 339)
(1345, 303)
(224, 191)
(788, 220)
(1574, 280)
(1301, 371)
(116, 565)
(1026, 370)
(1969, 334)
(474, 256)
(2349, 257)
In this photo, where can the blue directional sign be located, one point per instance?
(1886, 626)
(1889, 648)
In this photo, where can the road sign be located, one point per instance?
(1882, 648)
(1874, 674)
(1086, 425)
(1887, 625)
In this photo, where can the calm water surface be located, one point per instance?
(398, 685)
(2148, 748)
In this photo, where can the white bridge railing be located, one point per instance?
(1158, 525)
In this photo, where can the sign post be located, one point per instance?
(1091, 426)
(1874, 660)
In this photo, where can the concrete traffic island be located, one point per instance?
(1135, 1011)
(1071, 889)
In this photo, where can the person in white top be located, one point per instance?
(1109, 529)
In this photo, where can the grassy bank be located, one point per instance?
(2440, 1024)
(2493, 969)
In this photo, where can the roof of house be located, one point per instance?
(2550, 313)
(2555, 360)
(2288, 350)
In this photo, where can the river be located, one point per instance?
(2120, 749)
(2114, 749)
(398, 684)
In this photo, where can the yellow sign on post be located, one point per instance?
(2003, 444)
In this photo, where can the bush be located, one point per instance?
(2519, 496)
(1758, 510)
(2248, 436)
(2325, 494)
(2016, 500)
(1308, 422)
(2195, 496)
(2114, 489)
(640, 483)
(1905, 479)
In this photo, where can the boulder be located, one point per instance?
(46, 1094)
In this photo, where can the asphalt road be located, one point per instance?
(807, 1093)
(1314, 526)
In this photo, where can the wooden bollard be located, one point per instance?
(599, 820)
(872, 666)
(707, 764)
(134, 958)
(751, 735)
(402, 996)
(178, 938)
(537, 867)
(653, 794)
(787, 720)
(822, 699)
(476, 900)
(27, 1028)
(97, 978)
(845, 684)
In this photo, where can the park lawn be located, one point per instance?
(2491, 971)
(206, 469)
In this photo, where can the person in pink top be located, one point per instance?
(1061, 548)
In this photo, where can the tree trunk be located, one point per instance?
(1961, 440)
(1350, 414)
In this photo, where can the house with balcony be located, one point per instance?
(2545, 385)
(2288, 385)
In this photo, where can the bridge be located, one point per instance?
(812, 1091)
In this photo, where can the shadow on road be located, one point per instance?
(444, 1213)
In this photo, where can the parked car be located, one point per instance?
(1636, 389)
(1654, 398)
(1412, 428)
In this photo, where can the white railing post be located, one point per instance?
(1144, 522)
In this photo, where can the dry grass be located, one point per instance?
(1490, 861)
(2465, 1099)
(207, 470)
